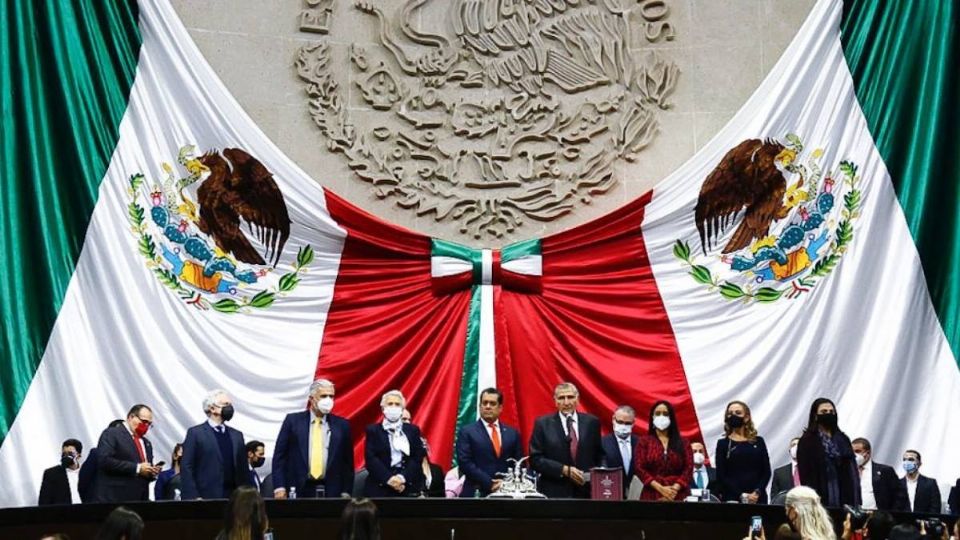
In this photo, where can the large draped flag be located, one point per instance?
(156, 245)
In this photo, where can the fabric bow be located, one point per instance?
(455, 267)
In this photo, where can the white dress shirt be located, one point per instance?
(325, 426)
(576, 424)
(869, 502)
(73, 478)
(626, 452)
(912, 489)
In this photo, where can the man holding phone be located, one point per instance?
(125, 459)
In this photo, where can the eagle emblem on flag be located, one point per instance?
(189, 227)
(791, 221)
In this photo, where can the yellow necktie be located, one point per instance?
(316, 449)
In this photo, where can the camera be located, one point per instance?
(934, 527)
(858, 517)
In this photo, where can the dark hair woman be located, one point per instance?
(662, 459)
(825, 458)
(121, 524)
(246, 516)
(162, 489)
(743, 465)
(359, 521)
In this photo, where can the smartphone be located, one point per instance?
(756, 526)
(160, 464)
(268, 535)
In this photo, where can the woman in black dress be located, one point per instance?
(743, 465)
(825, 458)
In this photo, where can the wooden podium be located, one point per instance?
(606, 484)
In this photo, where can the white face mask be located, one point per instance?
(325, 405)
(622, 430)
(698, 458)
(860, 460)
(793, 452)
(661, 422)
(392, 412)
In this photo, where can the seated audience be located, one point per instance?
(807, 515)
(121, 524)
(246, 516)
(359, 521)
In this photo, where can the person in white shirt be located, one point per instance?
(879, 486)
(922, 492)
(59, 485)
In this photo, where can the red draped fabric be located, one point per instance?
(387, 329)
(599, 323)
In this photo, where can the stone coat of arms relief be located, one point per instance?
(511, 111)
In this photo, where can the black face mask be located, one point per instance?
(226, 412)
(258, 463)
(734, 421)
(67, 460)
(827, 420)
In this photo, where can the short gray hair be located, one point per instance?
(211, 399)
(318, 384)
(565, 386)
(625, 409)
(397, 393)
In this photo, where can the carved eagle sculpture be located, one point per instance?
(747, 178)
(246, 190)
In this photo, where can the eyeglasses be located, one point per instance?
(147, 422)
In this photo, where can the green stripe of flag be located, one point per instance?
(469, 381)
(905, 61)
(66, 69)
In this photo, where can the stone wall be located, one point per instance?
(480, 123)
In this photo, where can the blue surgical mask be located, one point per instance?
(909, 466)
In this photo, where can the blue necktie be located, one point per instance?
(700, 479)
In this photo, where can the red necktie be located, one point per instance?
(574, 439)
(136, 442)
(495, 438)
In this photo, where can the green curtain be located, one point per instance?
(905, 61)
(65, 75)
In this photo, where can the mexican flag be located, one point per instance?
(156, 244)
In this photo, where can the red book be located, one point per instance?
(606, 484)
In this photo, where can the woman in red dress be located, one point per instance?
(662, 459)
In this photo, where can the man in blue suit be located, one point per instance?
(618, 446)
(394, 452)
(314, 451)
(484, 447)
(214, 461)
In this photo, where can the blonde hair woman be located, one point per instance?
(741, 459)
(807, 516)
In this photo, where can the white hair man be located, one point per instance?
(314, 451)
(618, 446)
(214, 459)
(565, 445)
(393, 451)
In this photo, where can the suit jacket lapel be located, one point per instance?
(562, 435)
(211, 436)
(332, 443)
(303, 426)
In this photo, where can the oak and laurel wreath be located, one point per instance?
(260, 300)
(843, 235)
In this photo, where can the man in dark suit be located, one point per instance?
(703, 475)
(255, 460)
(484, 446)
(923, 494)
(394, 453)
(214, 457)
(88, 472)
(618, 446)
(60, 482)
(125, 459)
(786, 477)
(883, 491)
(314, 450)
(564, 446)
